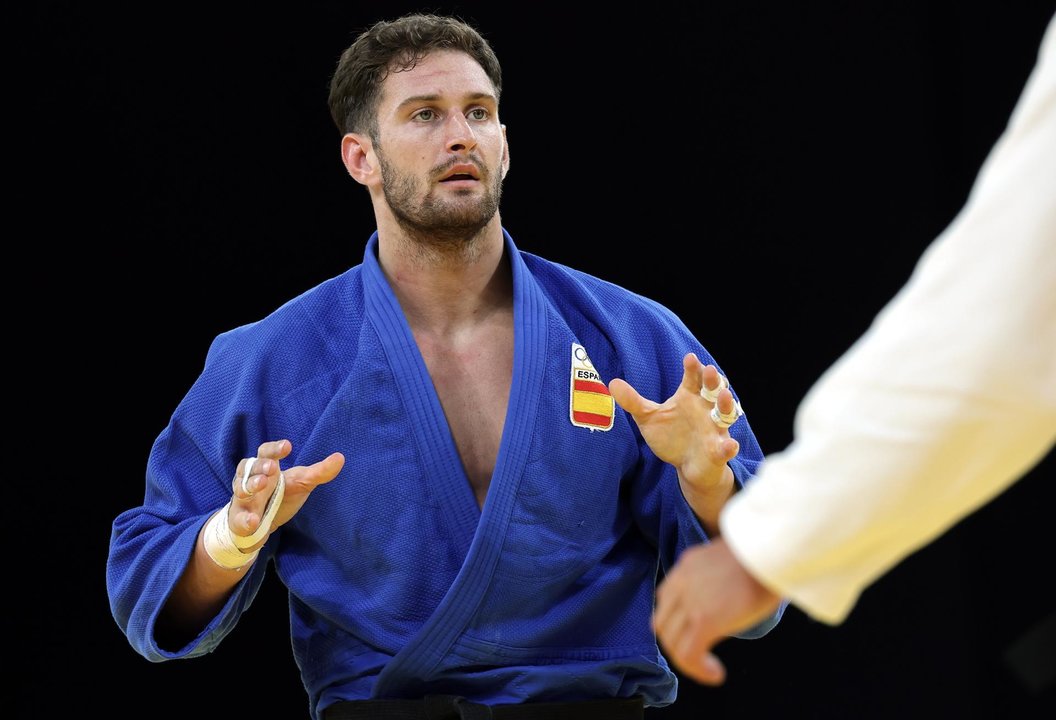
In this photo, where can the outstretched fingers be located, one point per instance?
(301, 480)
(305, 478)
(257, 480)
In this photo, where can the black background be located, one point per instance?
(184, 178)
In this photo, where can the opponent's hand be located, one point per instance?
(251, 492)
(706, 597)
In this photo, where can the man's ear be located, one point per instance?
(505, 153)
(358, 157)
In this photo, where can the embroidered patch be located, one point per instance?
(590, 405)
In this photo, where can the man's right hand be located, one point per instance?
(247, 511)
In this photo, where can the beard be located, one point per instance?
(440, 223)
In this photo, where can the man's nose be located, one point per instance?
(460, 136)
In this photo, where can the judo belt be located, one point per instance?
(453, 707)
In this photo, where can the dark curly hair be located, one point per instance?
(394, 45)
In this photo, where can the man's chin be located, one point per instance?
(472, 214)
(451, 226)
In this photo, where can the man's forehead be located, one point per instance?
(441, 73)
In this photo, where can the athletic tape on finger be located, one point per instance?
(713, 395)
(244, 541)
(725, 420)
(247, 473)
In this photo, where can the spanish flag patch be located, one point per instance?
(590, 405)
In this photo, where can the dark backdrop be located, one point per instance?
(185, 178)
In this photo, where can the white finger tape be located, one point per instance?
(227, 549)
(713, 395)
(725, 420)
(219, 543)
(247, 473)
(269, 515)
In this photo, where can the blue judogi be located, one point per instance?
(400, 585)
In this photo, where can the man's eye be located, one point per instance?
(478, 114)
(425, 115)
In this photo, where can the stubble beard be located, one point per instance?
(438, 225)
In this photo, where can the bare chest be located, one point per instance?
(472, 382)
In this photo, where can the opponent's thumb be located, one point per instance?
(708, 670)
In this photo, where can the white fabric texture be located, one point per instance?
(946, 400)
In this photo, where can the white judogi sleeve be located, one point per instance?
(944, 402)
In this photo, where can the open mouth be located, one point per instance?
(461, 172)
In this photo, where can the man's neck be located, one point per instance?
(444, 288)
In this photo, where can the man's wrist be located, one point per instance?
(220, 544)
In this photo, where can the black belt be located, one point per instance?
(453, 707)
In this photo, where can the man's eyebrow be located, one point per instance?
(432, 98)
